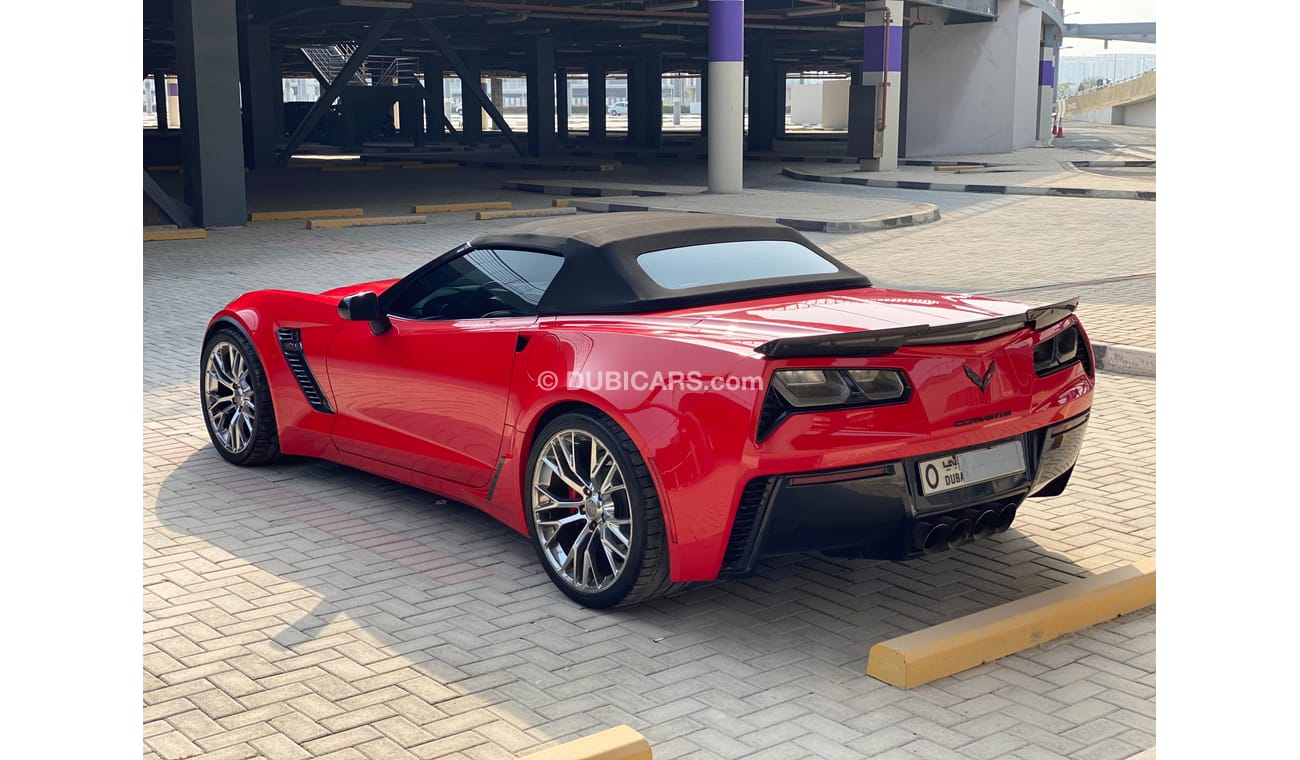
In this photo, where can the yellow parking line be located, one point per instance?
(363, 221)
(439, 208)
(942, 650)
(523, 212)
(320, 213)
(618, 743)
(189, 233)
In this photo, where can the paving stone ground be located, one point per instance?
(310, 610)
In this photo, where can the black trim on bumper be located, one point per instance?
(878, 511)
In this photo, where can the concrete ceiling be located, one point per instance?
(805, 34)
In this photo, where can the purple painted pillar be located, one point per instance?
(882, 69)
(726, 95)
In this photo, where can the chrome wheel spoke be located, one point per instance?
(561, 474)
(582, 510)
(544, 500)
(228, 396)
(232, 431)
(614, 531)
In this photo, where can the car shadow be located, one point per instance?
(356, 541)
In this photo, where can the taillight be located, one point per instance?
(1060, 351)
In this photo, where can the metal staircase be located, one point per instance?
(328, 60)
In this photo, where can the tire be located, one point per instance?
(643, 574)
(242, 428)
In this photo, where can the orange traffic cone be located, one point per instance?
(1059, 132)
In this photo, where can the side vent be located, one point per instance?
(291, 346)
(739, 557)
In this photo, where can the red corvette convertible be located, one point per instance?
(656, 398)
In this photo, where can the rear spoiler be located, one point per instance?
(881, 342)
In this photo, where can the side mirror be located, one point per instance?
(364, 307)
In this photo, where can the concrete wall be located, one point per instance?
(1141, 114)
(1024, 127)
(806, 104)
(835, 104)
(973, 88)
(1104, 115)
(1133, 90)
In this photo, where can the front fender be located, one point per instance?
(303, 430)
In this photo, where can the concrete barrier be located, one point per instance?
(931, 653)
(363, 221)
(525, 212)
(319, 213)
(442, 208)
(618, 743)
(172, 233)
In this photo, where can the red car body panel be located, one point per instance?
(452, 406)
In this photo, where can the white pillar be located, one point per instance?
(882, 67)
(1046, 92)
(726, 95)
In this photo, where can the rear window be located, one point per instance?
(700, 266)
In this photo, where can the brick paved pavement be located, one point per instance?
(306, 609)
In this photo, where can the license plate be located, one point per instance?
(971, 467)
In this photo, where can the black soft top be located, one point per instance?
(600, 274)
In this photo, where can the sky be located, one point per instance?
(1104, 12)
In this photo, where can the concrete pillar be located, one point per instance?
(160, 99)
(778, 116)
(173, 101)
(541, 96)
(277, 93)
(725, 89)
(762, 91)
(258, 88)
(497, 94)
(596, 101)
(1046, 91)
(645, 117)
(433, 101)
(562, 104)
(902, 91)
(471, 119)
(633, 83)
(882, 68)
(207, 54)
(704, 101)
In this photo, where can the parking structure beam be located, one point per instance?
(258, 89)
(561, 103)
(541, 96)
(476, 89)
(207, 56)
(596, 107)
(336, 87)
(160, 99)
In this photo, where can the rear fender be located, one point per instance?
(663, 393)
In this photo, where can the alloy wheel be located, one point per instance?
(582, 510)
(229, 400)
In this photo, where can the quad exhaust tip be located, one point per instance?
(932, 537)
(945, 533)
